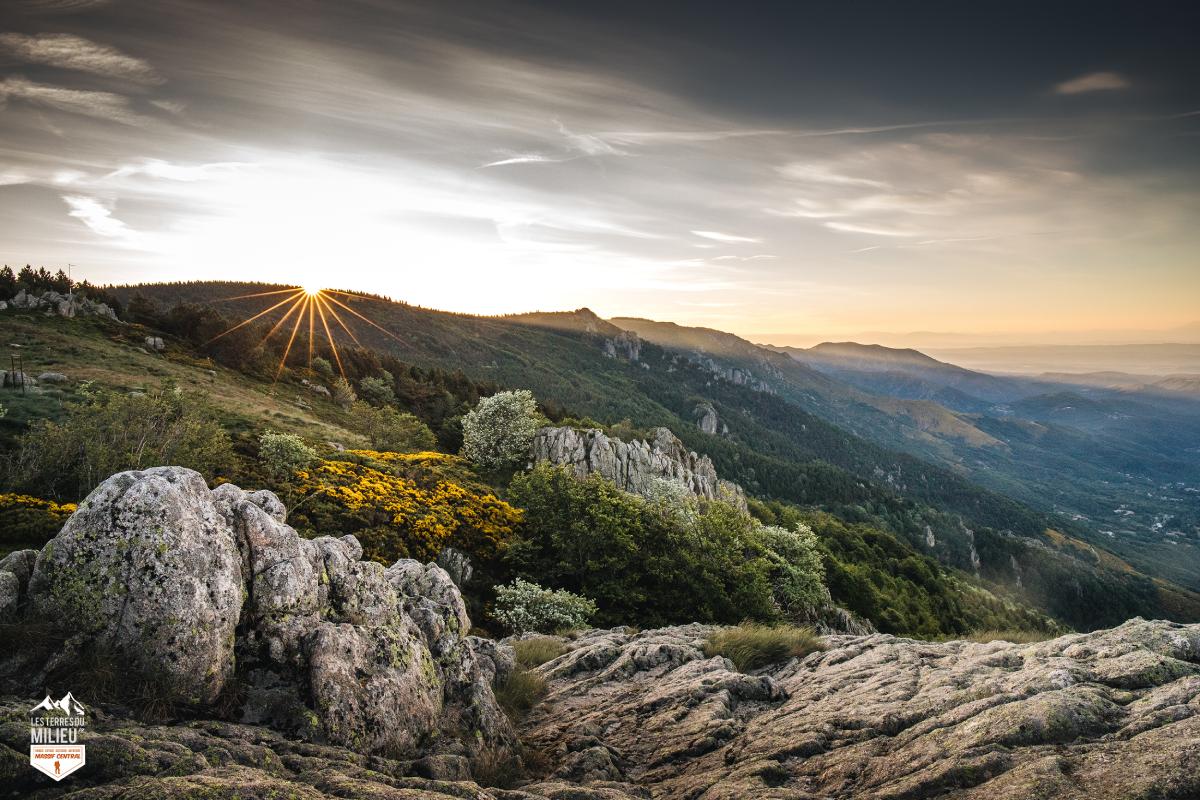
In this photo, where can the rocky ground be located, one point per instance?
(1111, 714)
(355, 681)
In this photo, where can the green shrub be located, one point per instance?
(284, 453)
(797, 574)
(378, 391)
(750, 646)
(498, 432)
(642, 563)
(391, 430)
(524, 607)
(343, 392)
(112, 432)
(537, 650)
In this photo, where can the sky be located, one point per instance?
(984, 172)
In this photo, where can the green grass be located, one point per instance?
(750, 645)
(535, 651)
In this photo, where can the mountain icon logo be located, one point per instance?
(67, 705)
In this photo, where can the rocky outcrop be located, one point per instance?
(1110, 714)
(634, 466)
(625, 344)
(65, 305)
(210, 594)
(708, 420)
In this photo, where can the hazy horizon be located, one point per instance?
(759, 173)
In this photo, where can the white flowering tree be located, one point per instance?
(798, 572)
(499, 431)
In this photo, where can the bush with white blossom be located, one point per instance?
(525, 607)
(499, 431)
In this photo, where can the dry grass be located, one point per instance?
(523, 690)
(535, 651)
(1014, 636)
(750, 645)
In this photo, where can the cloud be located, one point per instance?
(1092, 82)
(726, 238)
(873, 230)
(156, 168)
(530, 158)
(66, 51)
(97, 217)
(104, 105)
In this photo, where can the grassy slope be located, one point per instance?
(114, 356)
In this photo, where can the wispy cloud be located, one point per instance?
(529, 158)
(1092, 82)
(873, 230)
(98, 217)
(726, 238)
(104, 105)
(66, 51)
(156, 168)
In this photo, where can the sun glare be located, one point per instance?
(298, 304)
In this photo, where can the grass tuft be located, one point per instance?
(522, 691)
(1014, 636)
(537, 650)
(751, 645)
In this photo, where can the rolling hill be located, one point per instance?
(788, 431)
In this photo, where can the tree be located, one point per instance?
(499, 431)
(8, 283)
(378, 391)
(343, 392)
(322, 367)
(391, 430)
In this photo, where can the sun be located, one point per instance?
(311, 291)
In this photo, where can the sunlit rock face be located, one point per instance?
(634, 466)
(206, 591)
(1110, 714)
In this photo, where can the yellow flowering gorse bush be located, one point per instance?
(402, 505)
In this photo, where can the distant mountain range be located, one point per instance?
(1081, 500)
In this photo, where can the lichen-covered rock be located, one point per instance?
(634, 466)
(1111, 714)
(148, 569)
(132, 760)
(198, 587)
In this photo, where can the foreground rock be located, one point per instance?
(131, 760)
(634, 466)
(1111, 714)
(210, 598)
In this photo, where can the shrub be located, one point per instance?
(402, 506)
(750, 646)
(30, 521)
(343, 392)
(498, 432)
(377, 391)
(284, 453)
(537, 650)
(640, 565)
(797, 575)
(391, 430)
(113, 432)
(523, 606)
(322, 367)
